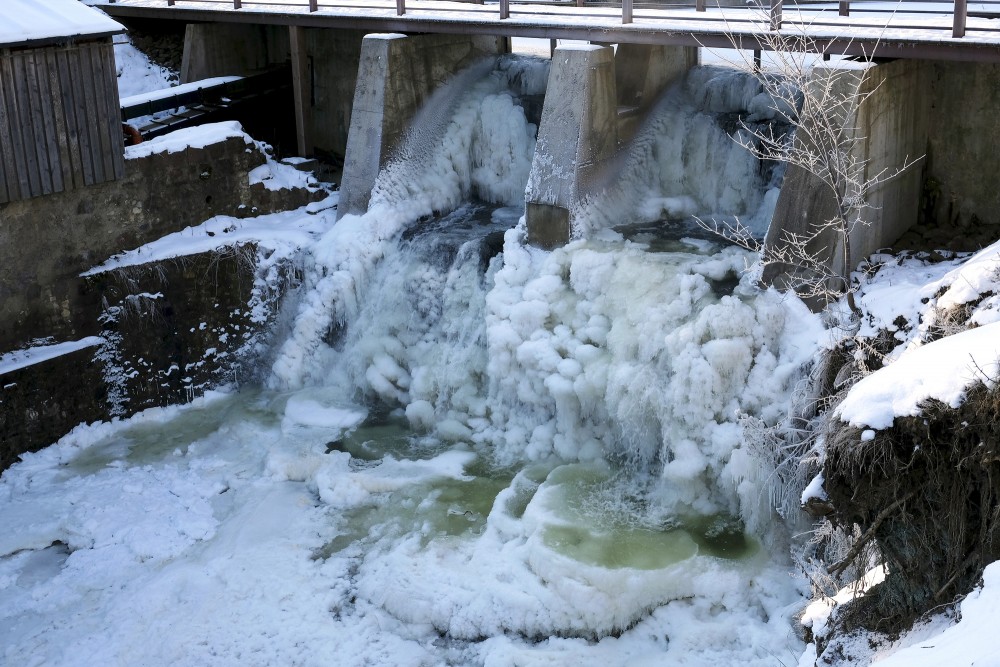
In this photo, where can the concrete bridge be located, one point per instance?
(933, 86)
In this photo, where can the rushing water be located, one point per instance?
(471, 451)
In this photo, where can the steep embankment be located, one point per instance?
(911, 459)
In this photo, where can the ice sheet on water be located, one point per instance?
(314, 408)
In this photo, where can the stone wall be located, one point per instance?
(169, 330)
(45, 243)
(36, 408)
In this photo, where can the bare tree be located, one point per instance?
(826, 162)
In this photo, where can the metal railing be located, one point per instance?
(772, 9)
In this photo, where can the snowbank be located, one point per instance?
(191, 137)
(941, 370)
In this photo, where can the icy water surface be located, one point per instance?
(468, 452)
(586, 523)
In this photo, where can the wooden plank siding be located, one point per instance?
(60, 120)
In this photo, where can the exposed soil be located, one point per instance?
(161, 41)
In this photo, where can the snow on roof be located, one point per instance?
(25, 21)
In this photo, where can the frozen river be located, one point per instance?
(467, 451)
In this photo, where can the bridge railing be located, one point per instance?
(770, 12)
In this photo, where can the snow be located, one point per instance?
(13, 361)
(283, 232)
(283, 175)
(941, 370)
(927, 23)
(817, 614)
(29, 20)
(154, 95)
(203, 553)
(508, 510)
(556, 420)
(814, 489)
(136, 74)
(198, 136)
(910, 297)
(971, 641)
(914, 296)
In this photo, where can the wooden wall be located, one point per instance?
(60, 122)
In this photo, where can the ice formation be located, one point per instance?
(463, 457)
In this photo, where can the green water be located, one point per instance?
(152, 441)
(593, 527)
(588, 512)
(570, 501)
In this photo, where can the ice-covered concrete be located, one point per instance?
(578, 134)
(396, 75)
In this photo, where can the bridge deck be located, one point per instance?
(906, 29)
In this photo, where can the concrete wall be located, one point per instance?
(963, 158)
(329, 73)
(594, 100)
(887, 123)
(396, 75)
(231, 49)
(642, 73)
(942, 112)
(894, 122)
(333, 56)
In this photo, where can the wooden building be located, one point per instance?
(60, 124)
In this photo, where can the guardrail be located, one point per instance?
(772, 9)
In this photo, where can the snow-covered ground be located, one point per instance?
(137, 76)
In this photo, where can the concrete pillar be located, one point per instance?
(395, 76)
(887, 121)
(578, 133)
(642, 72)
(231, 49)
